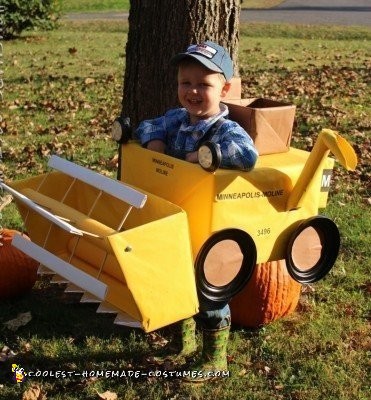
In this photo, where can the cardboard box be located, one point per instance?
(268, 122)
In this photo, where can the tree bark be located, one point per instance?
(159, 29)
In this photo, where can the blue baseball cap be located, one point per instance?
(210, 55)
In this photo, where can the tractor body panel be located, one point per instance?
(253, 201)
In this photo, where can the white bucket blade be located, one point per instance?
(71, 288)
(61, 267)
(107, 308)
(127, 320)
(42, 270)
(59, 279)
(89, 298)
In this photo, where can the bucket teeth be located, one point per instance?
(89, 298)
(42, 270)
(126, 320)
(59, 279)
(71, 288)
(107, 308)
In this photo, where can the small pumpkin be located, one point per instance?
(18, 271)
(270, 294)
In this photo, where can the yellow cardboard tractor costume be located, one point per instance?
(90, 230)
(173, 238)
(148, 246)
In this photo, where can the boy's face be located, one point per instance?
(200, 90)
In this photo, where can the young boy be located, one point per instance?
(204, 72)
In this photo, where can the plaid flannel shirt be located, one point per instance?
(181, 137)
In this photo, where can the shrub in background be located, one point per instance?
(19, 15)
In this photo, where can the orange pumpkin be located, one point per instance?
(270, 294)
(18, 271)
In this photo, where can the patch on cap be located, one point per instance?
(202, 49)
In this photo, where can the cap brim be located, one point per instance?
(204, 61)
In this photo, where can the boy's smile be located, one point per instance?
(200, 90)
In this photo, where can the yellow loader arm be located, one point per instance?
(328, 141)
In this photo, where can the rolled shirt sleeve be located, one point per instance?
(237, 147)
(160, 128)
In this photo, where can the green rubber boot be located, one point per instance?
(184, 344)
(213, 361)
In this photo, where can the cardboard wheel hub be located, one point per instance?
(224, 265)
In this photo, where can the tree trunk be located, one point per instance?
(159, 29)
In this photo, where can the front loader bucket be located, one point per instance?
(340, 148)
(115, 244)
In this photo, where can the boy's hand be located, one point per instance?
(156, 145)
(192, 157)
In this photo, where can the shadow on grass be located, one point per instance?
(66, 335)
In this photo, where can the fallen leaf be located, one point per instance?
(35, 392)
(72, 50)
(113, 162)
(107, 395)
(89, 81)
(6, 353)
(21, 320)
(5, 200)
(157, 339)
(27, 347)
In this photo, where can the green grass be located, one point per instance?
(71, 90)
(319, 352)
(260, 3)
(124, 5)
(94, 5)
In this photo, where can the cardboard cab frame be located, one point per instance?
(169, 234)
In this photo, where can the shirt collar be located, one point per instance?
(204, 124)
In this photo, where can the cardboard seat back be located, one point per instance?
(268, 122)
